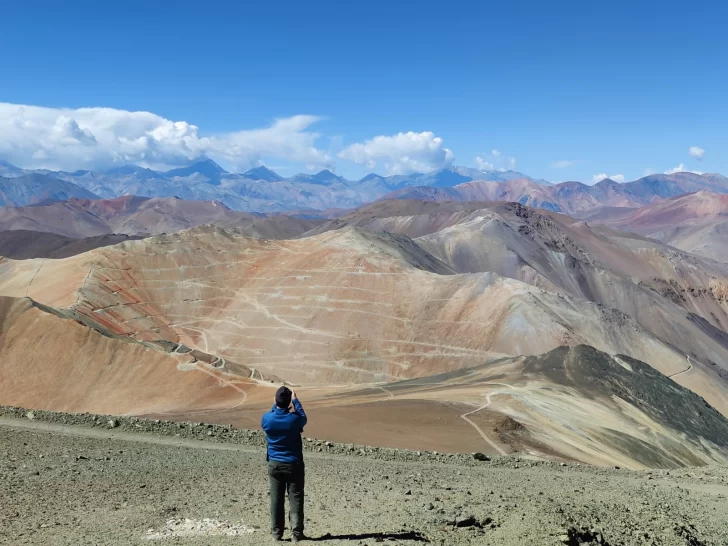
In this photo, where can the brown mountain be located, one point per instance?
(131, 215)
(503, 328)
(54, 359)
(372, 326)
(23, 245)
(679, 297)
(696, 223)
(344, 306)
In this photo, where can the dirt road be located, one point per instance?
(686, 370)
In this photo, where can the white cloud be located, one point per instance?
(403, 153)
(96, 138)
(648, 171)
(601, 176)
(562, 164)
(483, 165)
(681, 169)
(696, 152)
(495, 161)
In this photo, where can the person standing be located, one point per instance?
(286, 471)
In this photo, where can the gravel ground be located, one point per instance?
(68, 479)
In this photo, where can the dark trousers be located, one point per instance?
(286, 477)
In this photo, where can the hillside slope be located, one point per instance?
(696, 223)
(680, 297)
(346, 306)
(347, 315)
(23, 245)
(50, 359)
(133, 215)
(28, 189)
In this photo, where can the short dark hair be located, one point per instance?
(283, 397)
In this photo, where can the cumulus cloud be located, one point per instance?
(96, 138)
(403, 153)
(681, 169)
(696, 152)
(495, 161)
(484, 165)
(601, 176)
(562, 164)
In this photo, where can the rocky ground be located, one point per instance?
(83, 479)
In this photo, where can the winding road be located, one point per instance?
(389, 393)
(690, 367)
(478, 429)
(464, 416)
(488, 398)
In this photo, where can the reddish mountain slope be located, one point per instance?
(696, 223)
(668, 292)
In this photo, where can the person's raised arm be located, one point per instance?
(298, 409)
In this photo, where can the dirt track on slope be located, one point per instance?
(64, 485)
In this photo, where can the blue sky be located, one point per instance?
(567, 89)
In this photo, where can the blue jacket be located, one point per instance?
(283, 429)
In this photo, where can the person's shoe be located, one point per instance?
(276, 537)
(298, 538)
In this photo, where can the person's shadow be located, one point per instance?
(413, 536)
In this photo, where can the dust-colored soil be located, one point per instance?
(62, 484)
(404, 424)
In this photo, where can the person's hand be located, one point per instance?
(293, 395)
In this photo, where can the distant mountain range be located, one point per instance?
(573, 198)
(142, 216)
(694, 222)
(29, 189)
(263, 190)
(259, 189)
